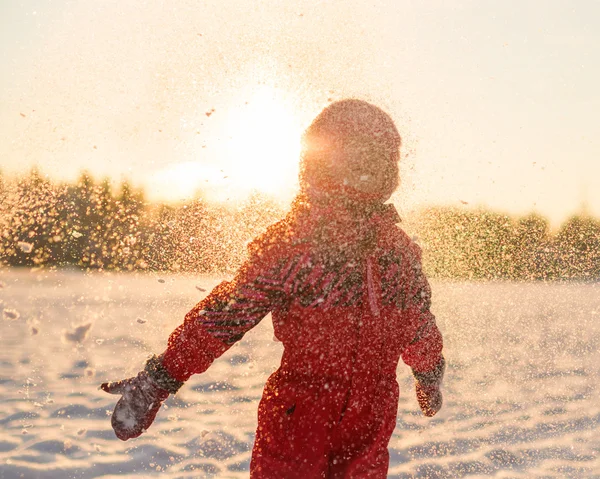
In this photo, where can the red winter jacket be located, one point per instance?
(318, 271)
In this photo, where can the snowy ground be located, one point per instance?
(521, 396)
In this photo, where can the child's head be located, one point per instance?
(351, 147)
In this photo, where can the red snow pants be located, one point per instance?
(330, 409)
(309, 430)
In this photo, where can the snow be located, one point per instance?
(25, 247)
(78, 334)
(34, 329)
(521, 397)
(10, 314)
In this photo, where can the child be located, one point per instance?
(348, 299)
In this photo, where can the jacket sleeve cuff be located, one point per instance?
(161, 377)
(191, 353)
(433, 377)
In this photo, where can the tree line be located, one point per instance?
(484, 244)
(91, 224)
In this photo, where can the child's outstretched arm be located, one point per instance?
(209, 329)
(224, 316)
(424, 353)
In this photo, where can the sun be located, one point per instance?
(253, 146)
(263, 147)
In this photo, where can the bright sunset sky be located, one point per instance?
(498, 102)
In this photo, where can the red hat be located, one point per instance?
(353, 147)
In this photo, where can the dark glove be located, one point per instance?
(428, 391)
(141, 399)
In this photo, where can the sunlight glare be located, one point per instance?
(184, 181)
(264, 148)
(255, 147)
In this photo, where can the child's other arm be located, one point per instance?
(424, 353)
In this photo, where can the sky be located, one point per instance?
(497, 102)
